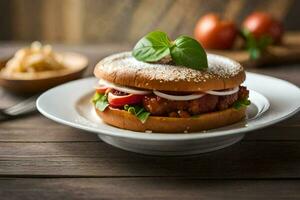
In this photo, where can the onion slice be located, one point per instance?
(223, 93)
(178, 98)
(123, 88)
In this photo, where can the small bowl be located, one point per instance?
(30, 83)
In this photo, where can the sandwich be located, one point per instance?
(178, 88)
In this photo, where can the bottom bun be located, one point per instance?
(125, 120)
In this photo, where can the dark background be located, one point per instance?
(124, 21)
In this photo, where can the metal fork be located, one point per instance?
(23, 108)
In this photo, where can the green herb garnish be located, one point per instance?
(138, 111)
(96, 97)
(255, 46)
(100, 101)
(153, 47)
(241, 103)
(184, 51)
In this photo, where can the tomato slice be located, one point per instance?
(119, 101)
(101, 89)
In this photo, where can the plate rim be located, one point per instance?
(161, 136)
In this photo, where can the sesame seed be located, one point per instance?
(218, 66)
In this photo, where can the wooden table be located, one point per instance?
(40, 159)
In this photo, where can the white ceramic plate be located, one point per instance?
(272, 101)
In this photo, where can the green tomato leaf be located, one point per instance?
(255, 53)
(138, 111)
(153, 47)
(255, 46)
(241, 103)
(264, 41)
(189, 53)
(101, 103)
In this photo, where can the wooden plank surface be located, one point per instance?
(288, 52)
(43, 159)
(24, 130)
(245, 160)
(147, 188)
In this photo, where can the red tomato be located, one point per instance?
(263, 24)
(214, 33)
(118, 101)
(101, 89)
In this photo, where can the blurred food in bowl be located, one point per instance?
(35, 58)
(37, 68)
(29, 62)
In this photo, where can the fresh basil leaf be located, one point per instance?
(188, 52)
(184, 51)
(241, 103)
(138, 111)
(153, 47)
(102, 102)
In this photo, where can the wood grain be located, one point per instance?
(25, 25)
(25, 130)
(5, 7)
(92, 21)
(286, 53)
(40, 159)
(147, 188)
(245, 160)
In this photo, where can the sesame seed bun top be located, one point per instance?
(124, 69)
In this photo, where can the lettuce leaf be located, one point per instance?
(138, 111)
(96, 97)
(100, 101)
(241, 103)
